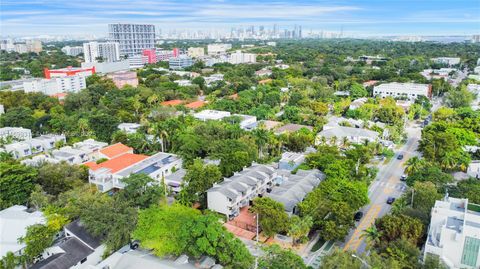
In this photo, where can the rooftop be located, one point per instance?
(74, 252)
(342, 131)
(115, 150)
(13, 224)
(196, 104)
(292, 127)
(118, 163)
(172, 103)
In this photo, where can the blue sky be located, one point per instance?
(368, 17)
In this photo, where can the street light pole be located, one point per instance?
(364, 263)
(256, 239)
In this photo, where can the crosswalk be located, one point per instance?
(387, 185)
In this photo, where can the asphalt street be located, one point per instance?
(387, 184)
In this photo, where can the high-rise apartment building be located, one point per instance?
(34, 46)
(101, 51)
(132, 38)
(72, 51)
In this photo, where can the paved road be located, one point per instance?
(385, 185)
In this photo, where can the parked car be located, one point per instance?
(358, 216)
(390, 200)
(400, 157)
(403, 177)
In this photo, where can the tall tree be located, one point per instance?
(17, 181)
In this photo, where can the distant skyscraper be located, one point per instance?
(275, 30)
(107, 51)
(133, 38)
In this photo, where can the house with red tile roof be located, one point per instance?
(115, 150)
(175, 102)
(196, 104)
(108, 175)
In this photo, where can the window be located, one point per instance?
(84, 260)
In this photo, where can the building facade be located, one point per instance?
(180, 62)
(454, 233)
(108, 175)
(123, 78)
(196, 52)
(101, 52)
(72, 51)
(56, 85)
(238, 190)
(132, 38)
(403, 90)
(68, 71)
(242, 58)
(218, 49)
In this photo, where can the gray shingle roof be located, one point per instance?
(294, 189)
(75, 251)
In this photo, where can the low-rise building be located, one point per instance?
(108, 175)
(68, 72)
(122, 78)
(129, 128)
(77, 250)
(289, 189)
(92, 148)
(235, 192)
(56, 85)
(72, 51)
(183, 82)
(17, 133)
(291, 160)
(13, 225)
(291, 128)
(70, 155)
(208, 114)
(403, 90)
(180, 62)
(33, 146)
(137, 61)
(108, 67)
(454, 233)
(263, 73)
(447, 60)
(218, 49)
(195, 52)
(337, 135)
(239, 57)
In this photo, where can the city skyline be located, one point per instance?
(355, 18)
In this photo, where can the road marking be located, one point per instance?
(367, 221)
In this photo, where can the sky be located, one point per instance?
(355, 17)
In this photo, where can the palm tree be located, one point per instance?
(449, 161)
(333, 140)
(372, 235)
(345, 142)
(159, 132)
(414, 164)
(261, 139)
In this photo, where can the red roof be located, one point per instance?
(116, 150)
(196, 104)
(172, 103)
(59, 95)
(119, 163)
(265, 81)
(233, 96)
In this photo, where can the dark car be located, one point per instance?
(358, 216)
(400, 157)
(403, 177)
(390, 200)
